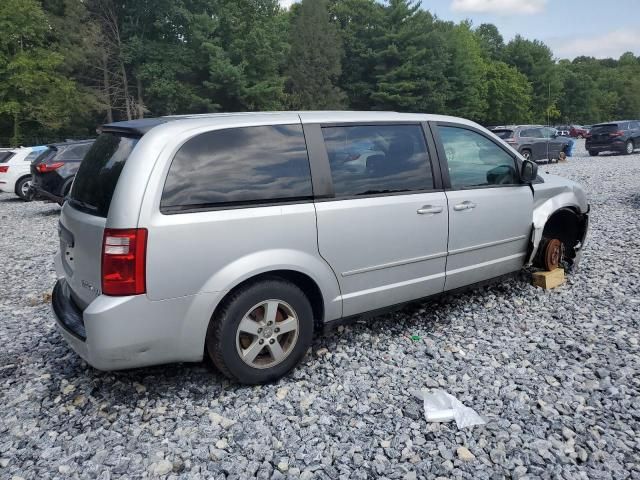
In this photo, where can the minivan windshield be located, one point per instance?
(99, 172)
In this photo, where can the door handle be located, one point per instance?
(466, 205)
(430, 209)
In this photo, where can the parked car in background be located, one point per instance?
(578, 131)
(15, 171)
(238, 236)
(534, 142)
(619, 136)
(563, 130)
(54, 169)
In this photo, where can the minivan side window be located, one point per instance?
(475, 161)
(239, 166)
(374, 159)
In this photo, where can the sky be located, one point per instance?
(597, 28)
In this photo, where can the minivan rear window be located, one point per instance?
(238, 166)
(99, 172)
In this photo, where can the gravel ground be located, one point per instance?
(556, 374)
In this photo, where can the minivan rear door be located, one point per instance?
(383, 229)
(84, 215)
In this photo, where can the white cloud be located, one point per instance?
(499, 7)
(609, 44)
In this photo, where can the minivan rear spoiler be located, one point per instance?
(133, 127)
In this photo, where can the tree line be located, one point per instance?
(67, 66)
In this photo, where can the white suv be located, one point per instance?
(239, 235)
(15, 172)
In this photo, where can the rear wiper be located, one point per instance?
(83, 204)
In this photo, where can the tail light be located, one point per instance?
(587, 135)
(45, 168)
(4, 169)
(619, 133)
(124, 254)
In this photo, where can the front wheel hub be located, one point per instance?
(553, 253)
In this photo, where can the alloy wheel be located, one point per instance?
(24, 188)
(267, 334)
(629, 148)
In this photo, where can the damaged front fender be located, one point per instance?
(562, 199)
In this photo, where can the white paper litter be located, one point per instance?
(439, 406)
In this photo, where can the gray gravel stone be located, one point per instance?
(555, 373)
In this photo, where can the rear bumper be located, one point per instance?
(115, 333)
(617, 146)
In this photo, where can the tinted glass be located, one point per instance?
(474, 160)
(239, 165)
(532, 133)
(503, 133)
(45, 155)
(5, 156)
(374, 159)
(99, 172)
(549, 132)
(33, 155)
(608, 128)
(75, 152)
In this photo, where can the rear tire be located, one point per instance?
(628, 147)
(593, 153)
(22, 188)
(245, 338)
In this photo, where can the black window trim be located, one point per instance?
(444, 166)
(323, 182)
(218, 206)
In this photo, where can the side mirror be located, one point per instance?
(528, 171)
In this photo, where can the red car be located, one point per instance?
(576, 131)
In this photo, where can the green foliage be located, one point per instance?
(509, 95)
(33, 92)
(67, 66)
(466, 75)
(410, 61)
(314, 63)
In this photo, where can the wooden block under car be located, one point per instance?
(548, 280)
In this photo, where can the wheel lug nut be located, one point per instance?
(259, 330)
(269, 322)
(272, 341)
(261, 341)
(277, 330)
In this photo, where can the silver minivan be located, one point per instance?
(239, 236)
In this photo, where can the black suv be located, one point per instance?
(55, 168)
(621, 136)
